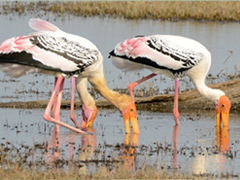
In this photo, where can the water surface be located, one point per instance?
(219, 38)
(193, 147)
(196, 146)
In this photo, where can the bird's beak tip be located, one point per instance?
(130, 114)
(222, 118)
(222, 111)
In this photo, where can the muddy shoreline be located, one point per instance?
(190, 100)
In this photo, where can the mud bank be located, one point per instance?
(190, 100)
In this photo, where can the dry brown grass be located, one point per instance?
(165, 10)
(19, 172)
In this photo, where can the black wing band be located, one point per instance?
(70, 50)
(187, 57)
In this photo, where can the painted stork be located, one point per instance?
(175, 57)
(54, 52)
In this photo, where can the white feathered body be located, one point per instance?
(50, 51)
(173, 56)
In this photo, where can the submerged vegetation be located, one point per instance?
(41, 161)
(164, 10)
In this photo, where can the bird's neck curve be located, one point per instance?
(121, 101)
(86, 98)
(209, 93)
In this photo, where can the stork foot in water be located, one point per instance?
(56, 119)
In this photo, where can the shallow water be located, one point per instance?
(219, 38)
(200, 149)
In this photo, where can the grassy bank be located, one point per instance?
(173, 10)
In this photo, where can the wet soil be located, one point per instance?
(189, 100)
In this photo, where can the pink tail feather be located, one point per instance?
(41, 25)
(22, 43)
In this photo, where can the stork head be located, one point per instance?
(88, 116)
(130, 114)
(222, 111)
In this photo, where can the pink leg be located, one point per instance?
(175, 143)
(55, 98)
(132, 85)
(56, 114)
(72, 116)
(175, 107)
(47, 116)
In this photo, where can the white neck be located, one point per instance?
(209, 93)
(82, 89)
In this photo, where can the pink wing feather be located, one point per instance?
(16, 44)
(6, 46)
(129, 46)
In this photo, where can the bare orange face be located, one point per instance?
(92, 118)
(222, 111)
(130, 114)
(88, 117)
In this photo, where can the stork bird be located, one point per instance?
(175, 57)
(54, 52)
